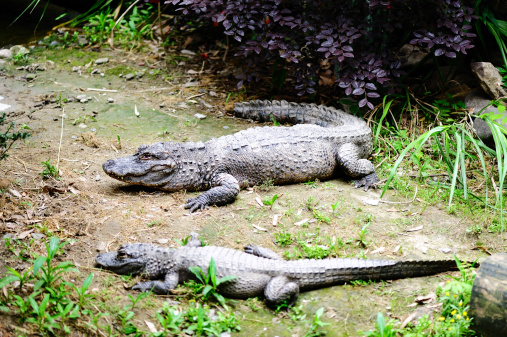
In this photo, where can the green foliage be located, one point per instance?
(453, 319)
(497, 28)
(270, 201)
(7, 137)
(49, 305)
(49, 170)
(316, 325)
(283, 238)
(210, 282)
(456, 145)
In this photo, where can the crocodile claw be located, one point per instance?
(197, 203)
(367, 181)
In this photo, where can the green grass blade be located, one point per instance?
(417, 144)
(34, 3)
(463, 167)
(455, 170)
(385, 110)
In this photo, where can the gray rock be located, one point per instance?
(477, 100)
(412, 55)
(81, 39)
(199, 116)
(19, 50)
(140, 73)
(38, 236)
(130, 76)
(489, 78)
(54, 43)
(102, 60)
(110, 100)
(30, 77)
(5, 54)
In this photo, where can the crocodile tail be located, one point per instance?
(293, 113)
(404, 269)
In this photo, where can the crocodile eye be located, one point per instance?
(147, 156)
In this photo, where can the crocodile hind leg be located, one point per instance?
(355, 167)
(281, 289)
(224, 191)
(262, 252)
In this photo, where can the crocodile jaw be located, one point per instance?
(154, 173)
(120, 265)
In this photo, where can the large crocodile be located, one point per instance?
(325, 139)
(259, 271)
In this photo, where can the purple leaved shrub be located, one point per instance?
(357, 40)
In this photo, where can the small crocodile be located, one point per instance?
(324, 140)
(259, 271)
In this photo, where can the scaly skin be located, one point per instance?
(259, 271)
(283, 155)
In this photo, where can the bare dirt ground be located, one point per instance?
(99, 213)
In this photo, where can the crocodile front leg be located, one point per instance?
(159, 287)
(280, 289)
(262, 252)
(224, 191)
(355, 167)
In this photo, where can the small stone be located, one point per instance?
(30, 77)
(82, 40)
(110, 100)
(199, 116)
(163, 241)
(95, 112)
(226, 127)
(212, 93)
(101, 247)
(130, 76)
(93, 129)
(80, 97)
(445, 250)
(140, 73)
(101, 60)
(97, 177)
(76, 69)
(162, 105)
(94, 71)
(187, 52)
(19, 50)
(84, 100)
(74, 137)
(424, 250)
(5, 54)
(82, 126)
(38, 236)
(54, 43)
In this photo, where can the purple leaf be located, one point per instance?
(358, 91)
(362, 102)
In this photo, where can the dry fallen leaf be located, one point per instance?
(418, 228)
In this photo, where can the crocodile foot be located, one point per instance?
(367, 181)
(199, 202)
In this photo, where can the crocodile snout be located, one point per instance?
(108, 166)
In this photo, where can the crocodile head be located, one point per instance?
(150, 166)
(129, 259)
